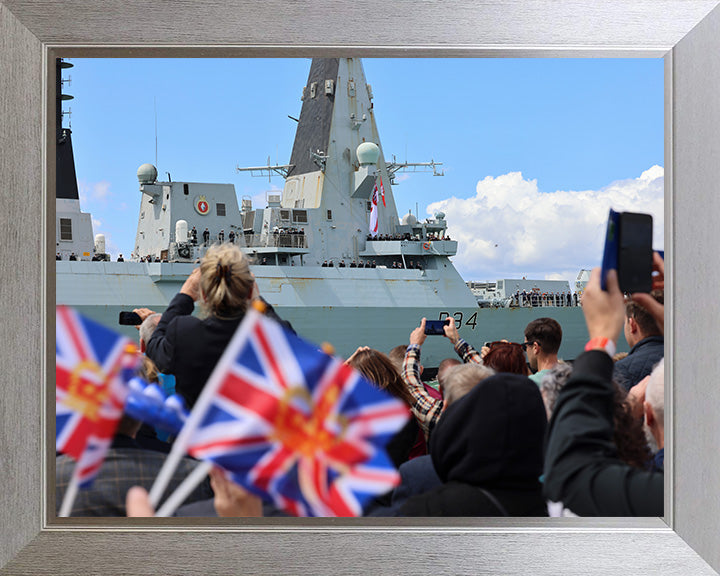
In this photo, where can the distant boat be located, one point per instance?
(315, 259)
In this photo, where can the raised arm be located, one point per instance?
(581, 466)
(462, 348)
(161, 349)
(425, 408)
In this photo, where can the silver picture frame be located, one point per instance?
(686, 33)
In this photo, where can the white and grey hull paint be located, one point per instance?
(347, 307)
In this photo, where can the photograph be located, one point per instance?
(242, 323)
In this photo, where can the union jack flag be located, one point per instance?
(294, 425)
(92, 366)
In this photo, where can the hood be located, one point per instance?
(495, 432)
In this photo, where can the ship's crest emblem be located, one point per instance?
(202, 206)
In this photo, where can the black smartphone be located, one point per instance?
(628, 249)
(435, 327)
(129, 319)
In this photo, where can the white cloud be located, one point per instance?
(93, 191)
(511, 229)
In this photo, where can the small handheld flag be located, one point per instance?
(294, 425)
(92, 367)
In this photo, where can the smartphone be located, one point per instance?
(129, 319)
(628, 249)
(435, 327)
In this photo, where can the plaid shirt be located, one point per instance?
(467, 352)
(425, 408)
(122, 469)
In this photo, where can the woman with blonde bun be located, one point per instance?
(190, 347)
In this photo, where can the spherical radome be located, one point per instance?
(409, 219)
(147, 174)
(368, 153)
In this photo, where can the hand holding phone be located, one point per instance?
(628, 249)
(129, 319)
(436, 327)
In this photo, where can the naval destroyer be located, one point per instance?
(330, 252)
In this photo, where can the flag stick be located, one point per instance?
(168, 469)
(183, 491)
(70, 494)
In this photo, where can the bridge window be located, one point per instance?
(284, 215)
(220, 209)
(300, 217)
(65, 229)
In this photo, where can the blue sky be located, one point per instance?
(534, 150)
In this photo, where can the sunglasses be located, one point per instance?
(524, 345)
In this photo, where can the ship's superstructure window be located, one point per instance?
(220, 209)
(300, 216)
(369, 206)
(329, 214)
(186, 189)
(285, 215)
(65, 229)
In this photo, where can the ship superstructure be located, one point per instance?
(322, 215)
(329, 250)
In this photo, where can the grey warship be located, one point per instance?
(315, 257)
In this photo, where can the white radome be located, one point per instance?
(147, 174)
(368, 153)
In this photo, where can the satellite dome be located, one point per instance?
(147, 174)
(368, 153)
(409, 219)
(100, 243)
(440, 216)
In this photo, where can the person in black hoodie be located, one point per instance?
(488, 451)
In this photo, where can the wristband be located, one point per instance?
(605, 343)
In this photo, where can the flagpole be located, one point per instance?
(183, 491)
(169, 466)
(70, 494)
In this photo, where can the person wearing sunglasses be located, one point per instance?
(543, 337)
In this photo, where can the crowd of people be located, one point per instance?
(507, 430)
(408, 236)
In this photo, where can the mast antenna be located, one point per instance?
(156, 136)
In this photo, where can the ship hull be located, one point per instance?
(343, 306)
